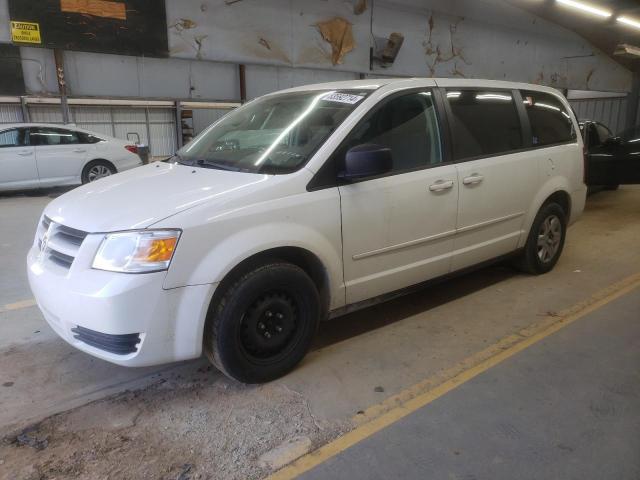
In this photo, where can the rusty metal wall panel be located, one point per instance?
(476, 39)
(466, 38)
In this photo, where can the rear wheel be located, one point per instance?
(546, 240)
(96, 170)
(264, 323)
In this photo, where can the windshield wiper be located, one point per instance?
(179, 160)
(214, 164)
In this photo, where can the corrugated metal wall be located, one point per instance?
(155, 127)
(45, 114)
(609, 111)
(96, 119)
(203, 117)
(131, 124)
(163, 132)
(10, 113)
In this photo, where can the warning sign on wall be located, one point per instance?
(25, 32)
(124, 27)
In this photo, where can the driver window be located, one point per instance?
(53, 136)
(408, 126)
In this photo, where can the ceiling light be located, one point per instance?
(625, 50)
(629, 21)
(586, 8)
(493, 96)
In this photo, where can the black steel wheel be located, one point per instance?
(269, 327)
(263, 323)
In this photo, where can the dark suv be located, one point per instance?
(611, 160)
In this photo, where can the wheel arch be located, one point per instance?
(308, 261)
(556, 189)
(562, 198)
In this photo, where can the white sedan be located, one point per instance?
(41, 155)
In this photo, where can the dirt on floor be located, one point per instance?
(199, 426)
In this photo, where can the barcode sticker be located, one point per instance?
(342, 98)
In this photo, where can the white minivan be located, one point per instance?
(305, 204)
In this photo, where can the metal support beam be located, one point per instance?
(113, 122)
(146, 117)
(58, 55)
(25, 110)
(243, 82)
(179, 124)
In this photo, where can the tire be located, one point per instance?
(539, 257)
(96, 169)
(263, 323)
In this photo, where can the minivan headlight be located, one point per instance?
(140, 251)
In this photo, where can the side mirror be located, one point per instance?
(613, 141)
(367, 160)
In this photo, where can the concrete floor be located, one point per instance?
(567, 407)
(359, 362)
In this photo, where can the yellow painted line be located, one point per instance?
(408, 401)
(18, 305)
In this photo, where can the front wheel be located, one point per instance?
(546, 240)
(263, 324)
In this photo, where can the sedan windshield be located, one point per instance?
(276, 134)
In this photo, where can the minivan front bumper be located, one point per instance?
(96, 311)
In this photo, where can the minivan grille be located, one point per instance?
(118, 344)
(62, 243)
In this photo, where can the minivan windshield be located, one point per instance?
(275, 134)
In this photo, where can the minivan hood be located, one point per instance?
(145, 195)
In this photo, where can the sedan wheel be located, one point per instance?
(98, 171)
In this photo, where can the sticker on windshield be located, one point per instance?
(342, 98)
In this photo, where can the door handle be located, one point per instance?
(25, 154)
(79, 150)
(473, 179)
(441, 185)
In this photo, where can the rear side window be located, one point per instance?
(549, 118)
(484, 123)
(88, 138)
(12, 138)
